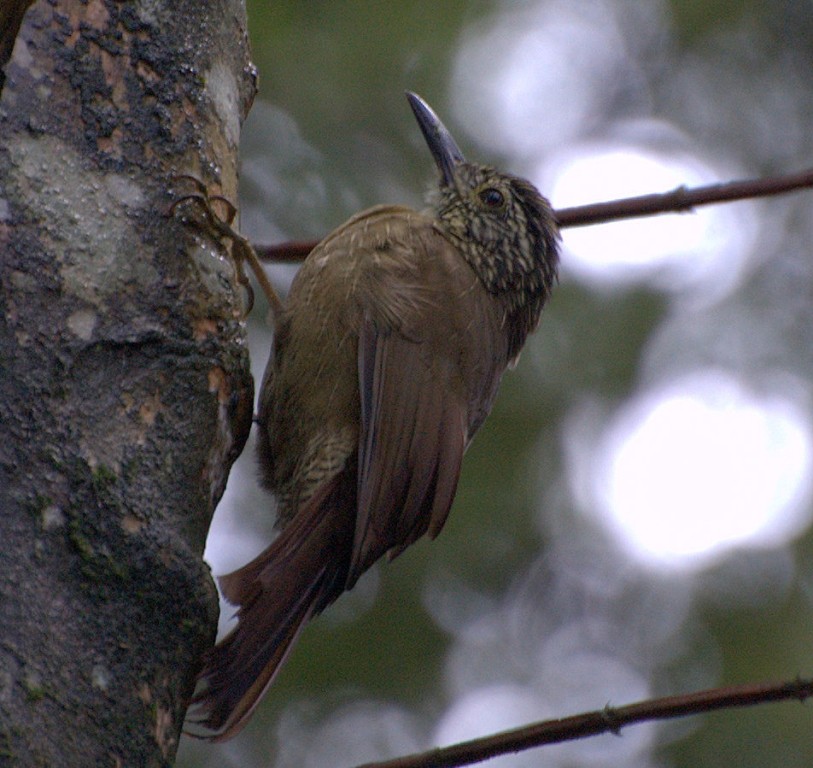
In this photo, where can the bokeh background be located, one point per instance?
(634, 518)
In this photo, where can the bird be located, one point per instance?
(387, 355)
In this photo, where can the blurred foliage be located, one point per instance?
(331, 134)
(694, 18)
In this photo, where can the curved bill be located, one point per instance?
(441, 144)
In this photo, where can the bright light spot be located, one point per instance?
(488, 710)
(703, 252)
(389, 731)
(692, 471)
(545, 89)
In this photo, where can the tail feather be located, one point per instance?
(295, 578)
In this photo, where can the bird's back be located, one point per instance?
(394, 267)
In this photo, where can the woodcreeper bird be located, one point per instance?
(386, 359)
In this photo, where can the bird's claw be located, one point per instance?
(218, 226)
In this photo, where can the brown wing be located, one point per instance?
(430, 355)
(413, 436)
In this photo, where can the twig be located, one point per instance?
(607, 720)
(682, 199)
(291, 252)
(676, 201)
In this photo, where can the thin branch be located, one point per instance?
(291, 252)
(607, 720)
(679, 200)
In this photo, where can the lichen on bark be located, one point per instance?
(125, 391)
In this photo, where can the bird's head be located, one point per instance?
(505, 229)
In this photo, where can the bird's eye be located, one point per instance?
(492, 198)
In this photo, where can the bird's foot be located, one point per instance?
(204, 210)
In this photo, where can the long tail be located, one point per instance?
(301, 573)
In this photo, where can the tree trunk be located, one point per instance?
(125, 391)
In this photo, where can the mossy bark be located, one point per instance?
(125, 391)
